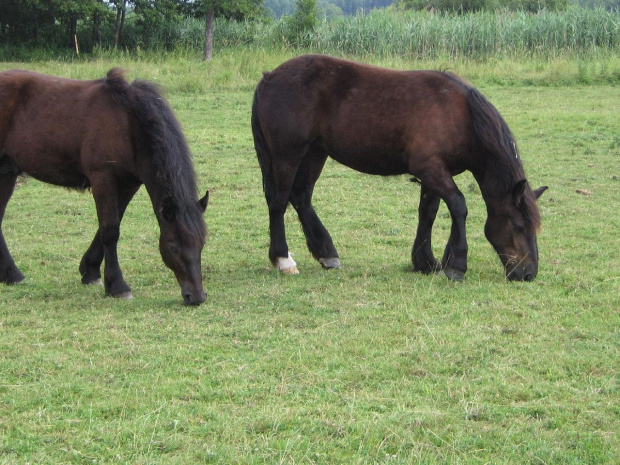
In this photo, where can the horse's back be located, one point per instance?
(372, 119)
(56, 129)
(47, 103)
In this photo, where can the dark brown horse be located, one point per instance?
(109, 136)
(428, 124)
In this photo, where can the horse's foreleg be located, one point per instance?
(107, 200)
(454, 261)
(422, 254)
(9, 273)
(318, 239)
(90, 266)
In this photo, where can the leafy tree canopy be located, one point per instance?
(54, 22)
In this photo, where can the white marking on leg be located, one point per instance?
(286, 265)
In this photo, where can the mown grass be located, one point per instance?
(367, 364)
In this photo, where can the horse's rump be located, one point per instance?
(56, 129)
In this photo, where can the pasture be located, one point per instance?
(367, 364)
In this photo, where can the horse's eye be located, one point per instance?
(519, 228)
(172, 247)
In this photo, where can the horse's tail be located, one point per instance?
(260, 144)
(171, 156)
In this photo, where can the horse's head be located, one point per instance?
(181, 249)
(511, 229)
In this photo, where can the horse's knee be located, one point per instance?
(458, 206)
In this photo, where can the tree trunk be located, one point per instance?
(120, 21)
(97, 28)
(35, 27)
(73, 33)
(210, 26)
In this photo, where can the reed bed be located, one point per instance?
(424, 35)
(575, 33)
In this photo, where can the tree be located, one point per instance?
(230, 9)
(209, 31)
(302, 22)
(24, 21)
(306, 15)
(121, 10)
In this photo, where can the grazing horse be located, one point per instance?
(431, 125)
(111, 137)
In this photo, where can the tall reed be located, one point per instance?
(424, 35)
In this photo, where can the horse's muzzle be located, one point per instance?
(526, 273)
(194, 299)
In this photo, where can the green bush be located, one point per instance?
(299, 26)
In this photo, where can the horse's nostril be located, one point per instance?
(189, 299)
(528, 277)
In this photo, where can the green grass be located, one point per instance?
(367, 364)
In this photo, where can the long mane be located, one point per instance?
(503, 168)
(171, 157)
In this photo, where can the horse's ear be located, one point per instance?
(168, 209)
(538, 192)
(204, 202)
(517, 191)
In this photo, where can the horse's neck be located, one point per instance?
(155, 190)
(492, 190)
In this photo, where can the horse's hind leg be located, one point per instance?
(277, 187)
(422, 254)
(318, 239)
(9, 273)
(90, 265)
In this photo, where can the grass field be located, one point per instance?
(367, 364)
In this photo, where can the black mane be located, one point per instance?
(503, 168)
(171, 157)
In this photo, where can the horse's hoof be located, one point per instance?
(123, 295)
(286, 265)
(292, 270)
(454, 275)
(12, 278)
(94, 282)
(427, 268)
(329, 263)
